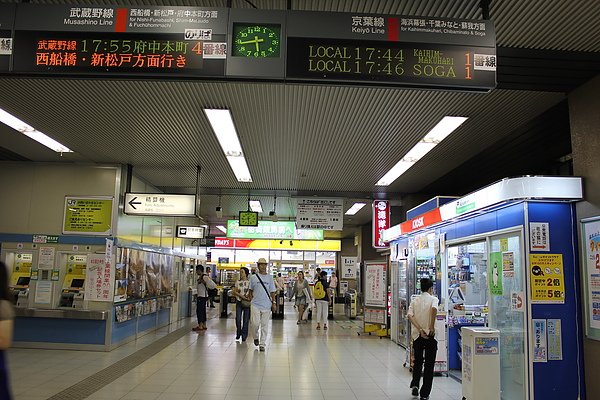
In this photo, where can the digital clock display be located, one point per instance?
(121, 53)
(391, 63)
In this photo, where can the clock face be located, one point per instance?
(248, 218)
(256, 41)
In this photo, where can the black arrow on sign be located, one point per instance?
(131, 203)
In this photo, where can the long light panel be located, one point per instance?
(222, 228)
(355, 208)
(32, 133)
(222, 125)
(256, 206)
(439, 132)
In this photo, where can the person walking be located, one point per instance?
(422, 313)
(242, 304)
(321, 295)
(7, 316)
(262, 291)
(204, 283)
(211, 297)
(299, 291)
(333, 282)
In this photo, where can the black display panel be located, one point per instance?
(120, 53)
(396, 63)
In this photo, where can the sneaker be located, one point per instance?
(415, 391)
(261, 348)
(424, 398)
(325, 327)
(256, 342)
(237, 337)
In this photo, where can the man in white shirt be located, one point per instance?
(422, 314)
(262, 293)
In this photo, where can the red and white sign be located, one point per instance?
(422, 221)
(232, 243)
(381, 222)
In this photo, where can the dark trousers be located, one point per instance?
(424, 348)
(242, 320)
(4, 381)
(201, 309)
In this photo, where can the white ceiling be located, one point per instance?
(310, 139)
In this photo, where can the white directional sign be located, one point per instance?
(191, 232)
(173, 205)
(316, 213)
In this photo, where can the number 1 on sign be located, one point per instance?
(468, 66)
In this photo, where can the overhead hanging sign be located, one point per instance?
(174, 205)
(108, 40)
(87, 216)
(191, 232)
(7, 12)
(318, 213)
(381, 222)
(384, 49)
(272, 230)
(276, 244)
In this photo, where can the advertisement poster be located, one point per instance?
(152, 274)
(591, 258)
(508, 264)
(547, 278)
(375, 285)
(517, 301)
(486, 345)
(43, 292)
(540, 350)
(554, 340)
(349, 267)
(100, 279)
(495, 273)
(166, 274)
(46, 258)
(136, 265)
(539, 238)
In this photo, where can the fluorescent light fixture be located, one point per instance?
(32, 133)
(222, 125)
(355, 208)
(439, 132)
(222, 228)
(256, 206)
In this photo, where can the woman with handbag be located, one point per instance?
(299, 291)
(242, 304)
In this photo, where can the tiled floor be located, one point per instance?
(299, 363)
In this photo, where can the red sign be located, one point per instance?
(381, 222)
(232, 243)
(422, 221)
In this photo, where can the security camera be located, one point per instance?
(273, 216)
(219, 212)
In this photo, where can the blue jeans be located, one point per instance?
(242, 320)
(201, 309)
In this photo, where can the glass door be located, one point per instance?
(506, 278)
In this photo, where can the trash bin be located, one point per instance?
(224, 302)
(480, 363)
(191, 302)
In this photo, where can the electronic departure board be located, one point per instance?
(116, 52)
(415, 64)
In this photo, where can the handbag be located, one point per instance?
(246, 303)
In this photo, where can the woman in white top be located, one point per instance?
(333, 283)
(242, 304)
(204, 283)
(300, 287)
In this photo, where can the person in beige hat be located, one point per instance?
(262, 292)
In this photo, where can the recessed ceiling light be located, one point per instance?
(355, 208)
(222, 228)
(32, 133)
(222, 125)
(256, 206)
(439, 132)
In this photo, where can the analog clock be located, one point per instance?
(256, 40)
(248, 218)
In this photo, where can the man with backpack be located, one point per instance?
(262, 292)
(321, 295)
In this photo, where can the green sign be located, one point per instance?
(272, 230)
(495, 273)
(88, 216)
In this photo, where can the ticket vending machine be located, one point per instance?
(73, 283)
(19, 263)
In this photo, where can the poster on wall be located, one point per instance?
(166, 274)
(554, 340)
(508, 264)
(547, 278)
(46, 258)
(87, 215)
(121, 275)
(100, 278)
(375, 285)
(539, 236)
(591, 258)
(540, 349)
(136, 265)
(495, 273)
(349, 267)
(152, 274)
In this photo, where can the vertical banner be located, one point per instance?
(539, 236)
(349, 267)
(381, 222)
(495, 273)
(100, 278)
(590, 237)
(375, 285)
(547, 278)
(540, 347)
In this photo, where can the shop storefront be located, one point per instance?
(503, 260)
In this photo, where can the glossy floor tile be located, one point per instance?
(300, 363)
